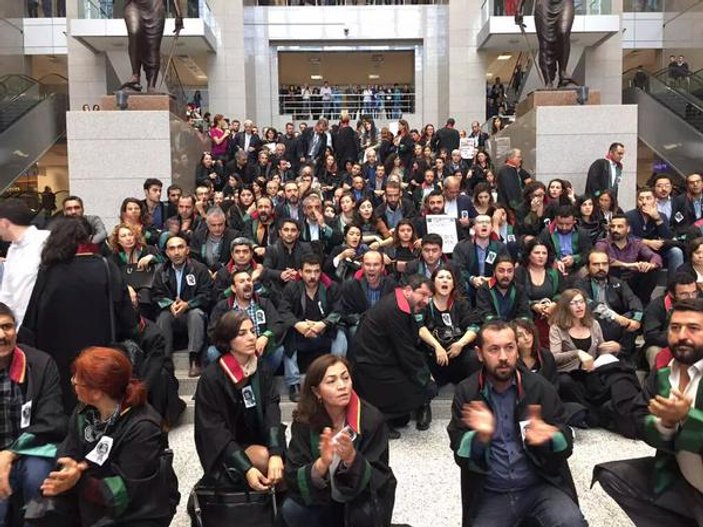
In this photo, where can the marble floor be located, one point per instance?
(428, 480)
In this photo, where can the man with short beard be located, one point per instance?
(630, 259)
(667, 489)
(501, 298)
(511, 442)
(290, 208)
(260, 227)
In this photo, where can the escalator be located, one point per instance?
(32, 119)
(670, 121)
(692, 84)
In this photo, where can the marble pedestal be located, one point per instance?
(560, 97)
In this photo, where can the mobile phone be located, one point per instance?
(346, 430)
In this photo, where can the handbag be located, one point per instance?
(139, 278)
(220, 506)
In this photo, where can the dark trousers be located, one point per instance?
(630, 484)
(545, 504)
(458, 369)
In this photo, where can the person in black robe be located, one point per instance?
(390, 370)
(115, 470)
(337, 467)
(33, 424)
(80, 300)
(238, 432)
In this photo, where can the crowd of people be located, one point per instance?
(382, 267)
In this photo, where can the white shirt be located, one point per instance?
(690, 464)
(451, 208)
(21, 267)
(613, 173)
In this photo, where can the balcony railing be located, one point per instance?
(508, 7)
(388, 106)
(106, 9)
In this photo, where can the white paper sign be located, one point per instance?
(445, 226)
(467, 147)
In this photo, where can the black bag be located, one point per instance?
(218, 506)
(137, 278)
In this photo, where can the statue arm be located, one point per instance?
(179, 15)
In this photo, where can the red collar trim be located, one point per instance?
(402, 301)
(87, 248)
(354, 413)
(492, 282)
(668, 302)
(18, 366)
(231, 368)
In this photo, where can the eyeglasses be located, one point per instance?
(75, 383)
(577, 302)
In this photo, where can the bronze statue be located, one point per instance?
(553, 22)
(145, 21)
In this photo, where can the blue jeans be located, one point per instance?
(548, 505)
(291, 371)
(27, 475)
(674, 259)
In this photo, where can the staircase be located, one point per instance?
(441, 406)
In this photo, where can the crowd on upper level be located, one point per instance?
(384, 266)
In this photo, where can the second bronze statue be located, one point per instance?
(145, 21)
(553, 22)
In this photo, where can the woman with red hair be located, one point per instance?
(111, 457)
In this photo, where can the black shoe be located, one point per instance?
(393, 433)
(294, 393)
(424, 417)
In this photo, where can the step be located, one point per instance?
(441, 409)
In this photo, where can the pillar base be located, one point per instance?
(558, 97)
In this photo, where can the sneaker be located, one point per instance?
(294, 393)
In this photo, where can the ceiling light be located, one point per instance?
(374, 76)
(504, 56)
(316, 77)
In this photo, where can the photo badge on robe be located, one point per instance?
(491, 257)
(190, 279)
(101, 451)
(447, 319)
(248, 396)
(26, 414)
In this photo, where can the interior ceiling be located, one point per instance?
(501, 68)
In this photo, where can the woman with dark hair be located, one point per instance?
(243, 207)
(694, 261)
(330, 177)
(478, 173)
(79, 300)
(608, 205)
(209, 170)
(497, 125)
(482, 200)
(337, 467)
(345, 259)
(589, 371)
(404, 247)
(541, 282)
(373, 229)
(534, 211)
(589, 219)
(532, 355)
(557, 192)
(385, 148)
(112, 469)
(238, 432)
(369, 136)
(427, 137)
(447, 328)
(133, 212)
(270, 139)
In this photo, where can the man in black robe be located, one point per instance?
(33, 421)
(505, 478)
(145, 21)
(390, 369)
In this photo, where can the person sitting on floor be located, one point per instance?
(666, 489)
(505, 478)
(337, 467)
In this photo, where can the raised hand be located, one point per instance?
(537, 431)
(477, 416)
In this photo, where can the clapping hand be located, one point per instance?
(344, 447)
(671, 411)
(537, 432)
(477, 416)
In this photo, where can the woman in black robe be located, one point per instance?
(113, 467)
(337, 467)
(238, 430)
(79, 300)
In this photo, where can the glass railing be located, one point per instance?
(688, 108)
(508, 7)
(691, 83)
(104, 9)
(13, 85)
(386, 105)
